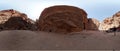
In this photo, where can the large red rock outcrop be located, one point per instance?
(14, 20)
(111, 22)
(63, 19)
(93, 24)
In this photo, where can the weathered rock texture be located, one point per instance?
(93, 24)
(14, 20)
(63, 19)
(110, 22)
(6, 14)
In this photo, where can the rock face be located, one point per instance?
(93, 24)
(62, 19)
(14, 20)
(110, 22)
(6, 14)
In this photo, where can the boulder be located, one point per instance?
(93, 24)
(62, 19)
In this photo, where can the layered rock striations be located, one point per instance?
(62, 19)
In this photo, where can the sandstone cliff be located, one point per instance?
(93, 24)
(62, 19)
(111, 22)
(14, 20)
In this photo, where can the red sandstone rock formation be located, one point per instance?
(62, 19)
(14, 20)
(6, 14)
(93, 24)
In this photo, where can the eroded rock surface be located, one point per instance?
(14, 20)
(93, 24)
(63, 19)
(111, 22)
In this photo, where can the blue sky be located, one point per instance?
(99, 9)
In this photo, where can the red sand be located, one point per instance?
(89, 40)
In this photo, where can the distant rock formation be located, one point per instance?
(63, 19)
(93, 24)
(14, 20)
(110, 22)
(6, 14)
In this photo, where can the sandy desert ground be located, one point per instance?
(36, 40)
